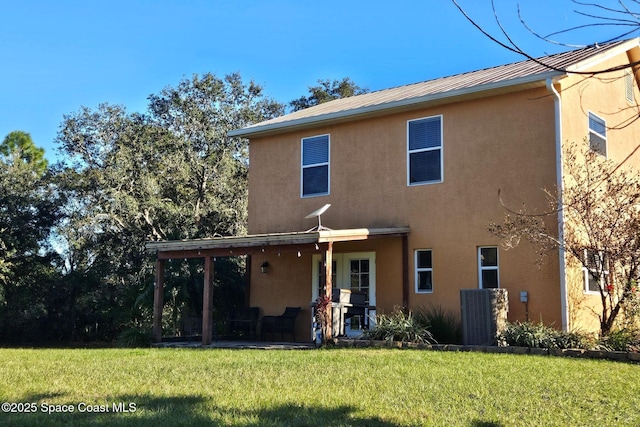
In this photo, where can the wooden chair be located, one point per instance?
(283, 324)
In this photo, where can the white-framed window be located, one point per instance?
(424, 271)
(314, 176)
(596, 271)
(598, 134)
(424, 150)
(488, 269)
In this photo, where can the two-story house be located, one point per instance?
(412, 175)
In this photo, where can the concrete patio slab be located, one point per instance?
(254, 345)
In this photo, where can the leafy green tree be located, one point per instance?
(20, 142)
(327, 90)
(171, 173)
(29, 208)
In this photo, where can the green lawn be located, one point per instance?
(361, 387)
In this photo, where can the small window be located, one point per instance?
(596, 271)
(488, 271)
(315, 166)
(424, 271)
(597, 134)
(629, 85)
(424, 150)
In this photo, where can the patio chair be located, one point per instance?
(191, 326)
(243, 321)
(283, 324)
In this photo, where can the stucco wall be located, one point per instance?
(603, 95)
(504, 143)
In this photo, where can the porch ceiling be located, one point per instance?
(243, 245)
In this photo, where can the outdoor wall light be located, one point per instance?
(264, 268)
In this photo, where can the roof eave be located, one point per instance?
(273, 239)
(604, 55)
(410, 103)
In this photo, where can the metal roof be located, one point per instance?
(529, 73)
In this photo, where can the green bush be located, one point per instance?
(444, 325)
(539, 335)
(621, 340)
(135, 337)
(400, 326)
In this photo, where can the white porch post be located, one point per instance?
(328, 285)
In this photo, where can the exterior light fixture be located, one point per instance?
(264, 268)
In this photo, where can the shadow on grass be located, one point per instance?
(130, 410)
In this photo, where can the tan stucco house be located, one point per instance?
(412, 175)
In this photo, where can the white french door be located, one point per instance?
(355, 271)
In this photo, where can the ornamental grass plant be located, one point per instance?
(539, 335)
(401, 326)
(444, 325)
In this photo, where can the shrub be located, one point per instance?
(539, 335)
(400, 326)
(136, 336)
(444, 325)
(621, 340)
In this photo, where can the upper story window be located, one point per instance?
(488, 270)
(315, 166)
(424, 150)
(598, 134)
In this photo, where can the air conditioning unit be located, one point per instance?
(484, 315)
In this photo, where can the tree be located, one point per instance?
(20, 142)
(29, 208)
(327, 90)
(620, 17)
(600, 204)
(170, 173)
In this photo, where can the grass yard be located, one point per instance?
(342, 387)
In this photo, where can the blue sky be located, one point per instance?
(60, 55)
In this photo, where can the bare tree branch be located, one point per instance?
(511, 46)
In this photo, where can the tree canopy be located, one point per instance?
(20, 145)
(72, 235)
(327, 90)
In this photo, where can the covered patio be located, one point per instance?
(315, 241)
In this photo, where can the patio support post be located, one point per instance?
(207, 301)
(405, 273)
(328, 285)
(158, 301)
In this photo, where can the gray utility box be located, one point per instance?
(484, 315)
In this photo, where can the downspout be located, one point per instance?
(562, 255)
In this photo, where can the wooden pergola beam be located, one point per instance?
(239, 251)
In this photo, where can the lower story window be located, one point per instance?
(424, 271)
(488, 270)
(596, 271)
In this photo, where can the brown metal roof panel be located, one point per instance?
(489, 77)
